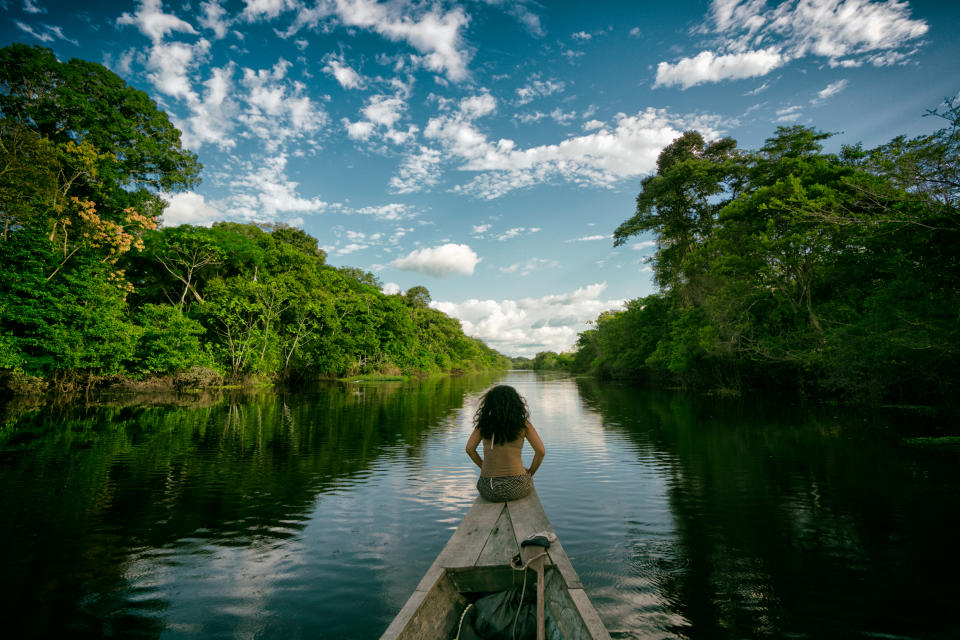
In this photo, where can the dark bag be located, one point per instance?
(492, 617)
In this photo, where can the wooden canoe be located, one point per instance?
(476, 560)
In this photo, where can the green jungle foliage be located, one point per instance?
(89, 285)
(788, 267)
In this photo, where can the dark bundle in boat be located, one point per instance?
(476, 562)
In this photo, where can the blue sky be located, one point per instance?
(487, 149)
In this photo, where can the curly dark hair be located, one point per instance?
(502, 414)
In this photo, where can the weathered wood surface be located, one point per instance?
(528, 517)
(501, 546)
(464, 547)
(477, 555)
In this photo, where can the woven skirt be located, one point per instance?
(505, 488)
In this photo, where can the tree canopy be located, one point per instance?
(792, 266)
(89, 285)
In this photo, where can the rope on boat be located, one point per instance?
(462, 616)
(523, 590)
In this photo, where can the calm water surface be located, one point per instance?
(314, 514)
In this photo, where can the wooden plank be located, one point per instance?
(484, 579)
(528, 517)
(428, 614)
(466, 543)
(501, 546)
(591, 619)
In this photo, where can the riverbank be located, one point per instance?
(196, 378)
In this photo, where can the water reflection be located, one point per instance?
(315, 513)
(787, 523)
(190, 517)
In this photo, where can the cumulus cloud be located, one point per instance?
(342, 72)
(153, 22)
(188, 208)
(538, 88)
(434, 33)
(846, 32)
(213, 18)
(277, 108)
(706, 66)
(266, 191)
(600, 158)
(440, 261)
(529, 325)
(381, 115)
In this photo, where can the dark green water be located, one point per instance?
(314, 514)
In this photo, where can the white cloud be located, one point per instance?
(170, 64)
(380, 115)
(517, 231)
(188, 208)
(440, 261)
(29, 6)
(212, 117)
(419, 171)
(265, 191)
(360, 130)
(789, 114)
(432, 32)
(392, 211)
(49, 33)
(538, 88)
(626, 149)
(278, 109)
(259, 9)
(342, 72)
(213, 18)
(847, 32)
(480, 229)
(760, 89)
(706, 66)
(831, 90)
(524, 268)
(42, 37)
(391, 288)
(590, 238)
(153, 22)
(529, 325)
(581, 35)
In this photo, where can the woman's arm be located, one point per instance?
(472, 443)
(538, 450)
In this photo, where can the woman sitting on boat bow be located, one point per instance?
(502, 424)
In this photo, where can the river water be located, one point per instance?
(314, 514)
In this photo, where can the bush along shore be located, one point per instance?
(95, 292)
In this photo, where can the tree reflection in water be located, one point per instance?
(93, 493)
(791, 522)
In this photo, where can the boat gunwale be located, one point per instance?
(469, 543)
